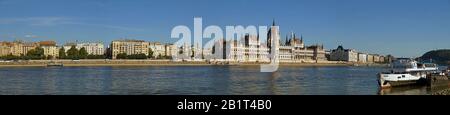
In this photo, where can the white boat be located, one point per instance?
(52, 64)
(406, 72)
(448, 71)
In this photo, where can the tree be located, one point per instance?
(181, 51)
(83, 53)
(159, 56)
(137, 56)
(167, 57)
(203, 56)
(90, 56)
(193, 54)
(37, 53)
(141, 56)
(10, 57)
(62, 53)
(213, 49)
(49, 57)
(40, 52)
(121, 56)
(150, 53)
(132, 56)
(441, 56)
(72, 53)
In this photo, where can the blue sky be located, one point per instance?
(401, 27)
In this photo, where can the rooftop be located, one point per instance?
(47, 43)
(128, 40)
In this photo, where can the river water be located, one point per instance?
(195, 80)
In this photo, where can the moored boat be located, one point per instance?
(448, 71)
(406, 72)
(53, 64)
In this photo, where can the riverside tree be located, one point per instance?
(83, 53)
(150, 53)
(72, 53)
(137, 56)
(62, 53)
(132, 56)
(90, 56)
(37, 53)
(121, 56)
(159, 56)
(10, 57)
(34, 54)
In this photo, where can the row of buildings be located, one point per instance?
(19, 48)
(351, 55)
(130, 46)
(51, 49)
(249, 48)
(92, 48)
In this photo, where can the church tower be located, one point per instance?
(273, 37)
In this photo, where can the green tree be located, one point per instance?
(150, 53)
(193, 53)
(72, 53)
(159, 56)
(62, 53)
(441, 56)
(40, 52)
(83, 53)
(24, 57)
(141, 56)
(181, 51)
(121, 56)
(203, 56)
(213, 49)
(132, 56)
(49, 57)
(10, 57)
(90, 56)
(168, 57)
(37, 53)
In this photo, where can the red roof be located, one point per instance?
(47, 43)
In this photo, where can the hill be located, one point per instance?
(441, 56)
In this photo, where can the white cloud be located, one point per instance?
(55, 21)
(115, 27)
(30, 36)
(37, 21)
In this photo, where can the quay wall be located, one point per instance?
(106, 62)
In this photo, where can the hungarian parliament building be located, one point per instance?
(250, 49)
(294, 50)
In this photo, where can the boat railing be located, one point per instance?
(394, 72)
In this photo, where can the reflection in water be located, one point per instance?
(415, 90)
(197, 80)
(273, 82)
(407, 90)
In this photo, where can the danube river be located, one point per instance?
(195, 80)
